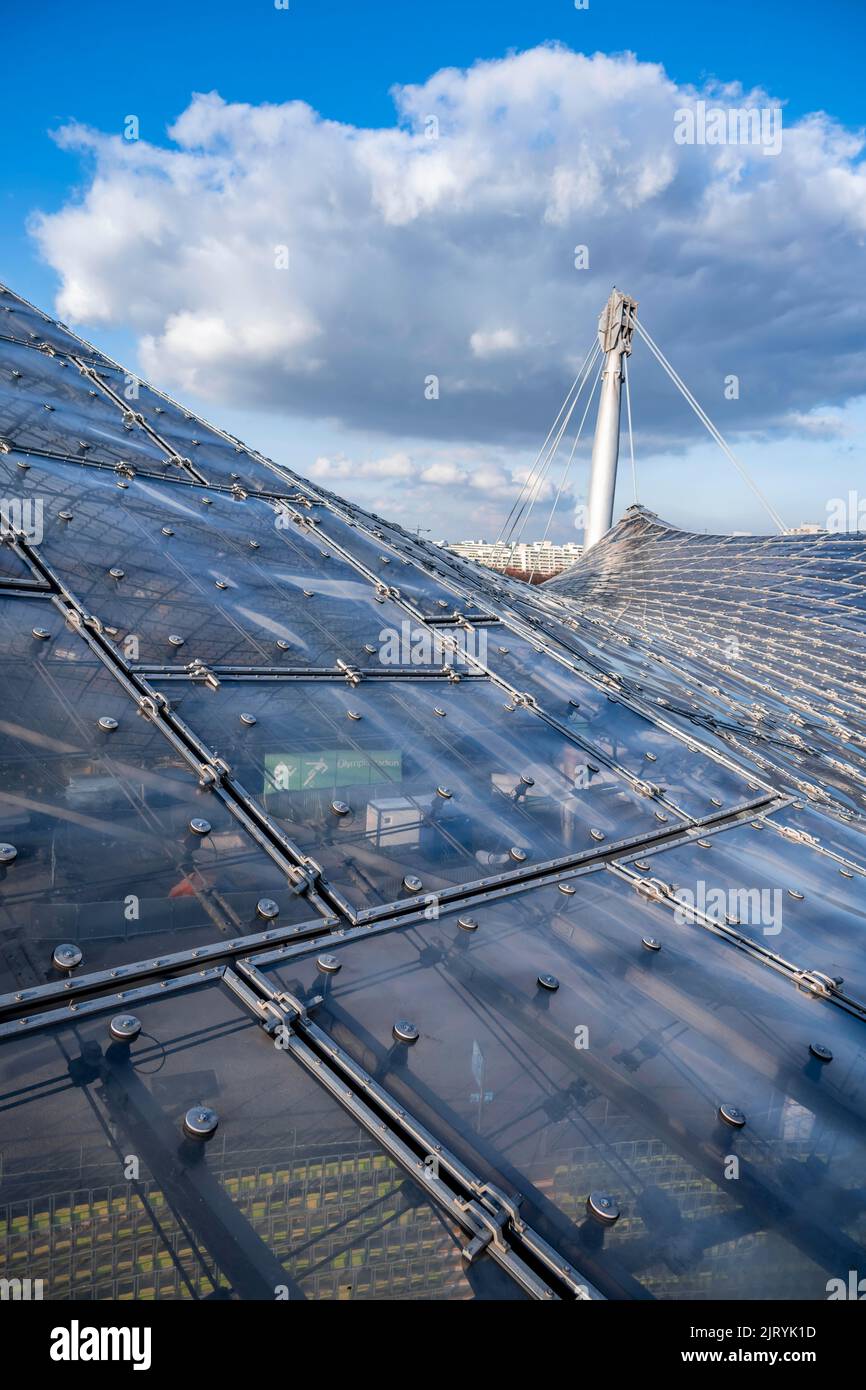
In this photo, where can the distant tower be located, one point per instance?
(615, 332)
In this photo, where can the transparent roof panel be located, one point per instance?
(290, 1200)
(26, 324)
(219, 460)
(430, 778)
(786, 896)
(425, 590)
(610, 1080)
(695, 782)
(99, 821)
(220, 574)
(47, 404)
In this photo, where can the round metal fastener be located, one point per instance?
(368, 647)
(174, 640)
(794, 893)
(281, 644)
(267, 908)
(641, 863)
(121, 484)
(116, 572)
(254, 545)
(200, 1123)
(567, 888)
(467, 923)
(716, 800)
(527, 780)
(652, 943)
(412, 883)
(660, 815)
(199, 826)
(517, 854)
(651, 757)
(7, 854)
(404, 1031)
(597, 834)
(444, 792)
(167, 531)
(124, 1028)
(207, 501)
(820, 1051)
(437, 709)
(575, 704)
(65, 516)
(603, 1207)
(107, 723)
(732, 1116)
(353, 714)
(548, 982)
(705, 844)
(42, 633)
(340, 808)
(67, 956)
(846, 873)
(248, 719)
(328, 965)
(221, 583)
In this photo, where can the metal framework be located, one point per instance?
(391, 976)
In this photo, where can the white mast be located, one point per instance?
(615, 332)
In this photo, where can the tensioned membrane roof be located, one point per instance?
(374, 926)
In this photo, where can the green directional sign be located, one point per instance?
(328, 768)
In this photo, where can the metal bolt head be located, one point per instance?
(527, 780)
(340, 808)
(199, 826)
(174, 640)
(517, 854)
(603, 1207)
(821, 1051)
(445, 792)
(267, 908)
(548, 982)
(412, 883)
(248, 719)
(368, 647)
(116, 572)
(567, 888)
(597, 834)
(651, 943)
(281, 644)
(353, 714)
(42, 633)
(328, 965)
(107, 723)
(65, 516)
(167, 531)
(200, 1123)
(404, 1031)
(467, 923)
(221, 583)
(67, 956)
(437, 709)
(732, 1116)
(124, 1028)
(7, 854)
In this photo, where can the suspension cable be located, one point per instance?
(567, 468)
(705, 420)
(628, 416)
(535, 476)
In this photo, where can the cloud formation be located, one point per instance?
(270, 257)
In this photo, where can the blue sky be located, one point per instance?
(343, 59)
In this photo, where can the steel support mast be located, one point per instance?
(615, 332)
